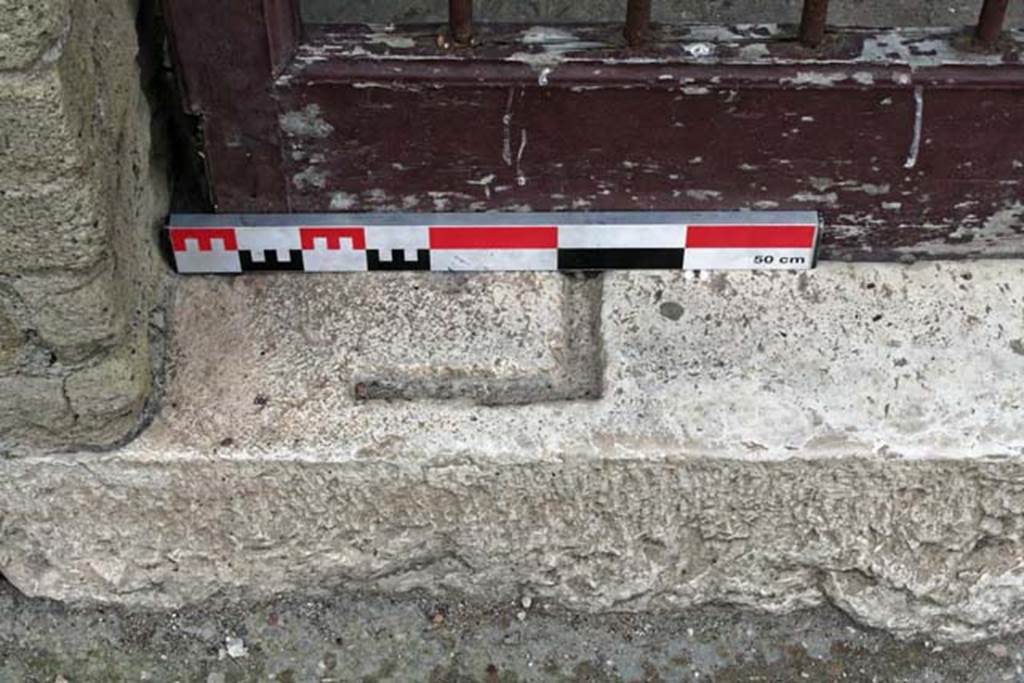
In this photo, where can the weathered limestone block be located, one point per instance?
(30, 31)
(107, 397)
(80, 201)
(53, 226)
(75, 313)
(11, 339)
(850, 435)
(41, 143)
(32, 405)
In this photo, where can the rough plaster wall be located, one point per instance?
(79, 196)
(859, 13)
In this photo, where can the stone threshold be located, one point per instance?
(851, 435)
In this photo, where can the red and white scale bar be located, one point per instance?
(507, 242)
(750, 247)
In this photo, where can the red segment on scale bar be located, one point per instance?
(750, 236)
(204, 238)
(484, 237)
(332, 236)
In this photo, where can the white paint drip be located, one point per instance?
(485, 183)
(520, 178)
(305, 123)
(823, 184)
(554, 44)
(825, 198)
(703, 195)
(920, 49)
(390, 40)
(506, 121)
(699, 50)
(755, 52)
(545, 35)
(342, 201)
(310, 177)
(549, 46)
(915, 143)
(814, 78)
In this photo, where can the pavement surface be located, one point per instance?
(368, 638)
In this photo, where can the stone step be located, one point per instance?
(629, 441)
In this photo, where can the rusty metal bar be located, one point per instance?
(812, 22)
(990, 23)
(460, 20)
(638, 22)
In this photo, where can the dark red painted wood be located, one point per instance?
(226, 53)
(738, 118)
(284, 28)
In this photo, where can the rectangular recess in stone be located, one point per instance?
(279, 349)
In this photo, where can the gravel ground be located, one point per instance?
(369, 638)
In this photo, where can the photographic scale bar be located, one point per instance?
(318, 243)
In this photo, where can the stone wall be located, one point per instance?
(80, 198)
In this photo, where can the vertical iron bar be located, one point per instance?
(812, 22)
(460, 20)
(638, 22)
(990, 23)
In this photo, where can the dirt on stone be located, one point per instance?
(368, 638)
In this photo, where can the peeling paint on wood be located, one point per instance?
(703, 117)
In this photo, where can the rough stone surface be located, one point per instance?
(80, 200)
(107, 397)
(73, 313)
(10, 340)
(357, 637)
(782, 441)
(843, 360)
(50, 226)
(40, 144)
(31, 30)
(31, 404)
